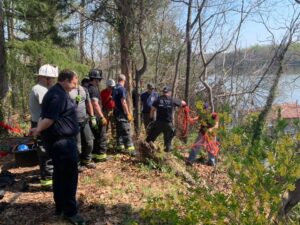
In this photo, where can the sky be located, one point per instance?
(277, 14)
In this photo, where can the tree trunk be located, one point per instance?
(189, 51)
(174, 87)
(125, 30)
(126, 63)
(81, 29)
(3, 74)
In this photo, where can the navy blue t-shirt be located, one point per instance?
(119, 93)
(58, 106)
(144, 98)
(165, 106)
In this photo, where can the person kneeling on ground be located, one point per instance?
(205, 134)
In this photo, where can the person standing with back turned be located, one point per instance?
(123, 117)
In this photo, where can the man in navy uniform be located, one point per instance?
(59, 127)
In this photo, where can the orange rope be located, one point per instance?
(184, 120)
(12, 129)
(210, 145)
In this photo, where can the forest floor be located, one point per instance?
(114, 193)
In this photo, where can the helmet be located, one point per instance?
(22, 147)
(48, 71)
(110, 83)
(95, 74)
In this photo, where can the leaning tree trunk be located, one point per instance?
(277, 61)
(3, 74)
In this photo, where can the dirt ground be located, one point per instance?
(113, 193)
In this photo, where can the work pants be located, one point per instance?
(198, 144)
(123, 130)
(64, 154)
(158, 127)
(85, 142)
(100, 142)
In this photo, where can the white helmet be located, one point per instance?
(48, 71)
(110, 83)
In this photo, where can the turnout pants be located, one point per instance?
(45, 162)
(123, 130)
(100, 142)
(64, 154)
(85, 142)
(159, 127)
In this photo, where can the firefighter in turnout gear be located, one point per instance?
(164, 107)
(123, 118)
(98, 128)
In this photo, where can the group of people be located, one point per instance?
(71, 122)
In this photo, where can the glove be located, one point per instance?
(103, 121)
(130, 117)
(94, 122)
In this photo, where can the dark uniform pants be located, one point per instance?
(146, 120)
(123, 130)
(64, 154)
(85, 142)
(159, 127)
(100, 142)
(45, 162)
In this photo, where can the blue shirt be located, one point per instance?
(144, 98)
(58, 106)
(118, 93)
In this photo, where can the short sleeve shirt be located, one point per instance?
(94, 92)
(81, 105)
(58, 106)
(35, 100)
(119, 93)
(165, 106)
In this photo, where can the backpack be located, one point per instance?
(152, 98)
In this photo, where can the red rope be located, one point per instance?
(184, 119)
(209, 145)
(12, 129)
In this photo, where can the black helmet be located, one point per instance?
(95, 74)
